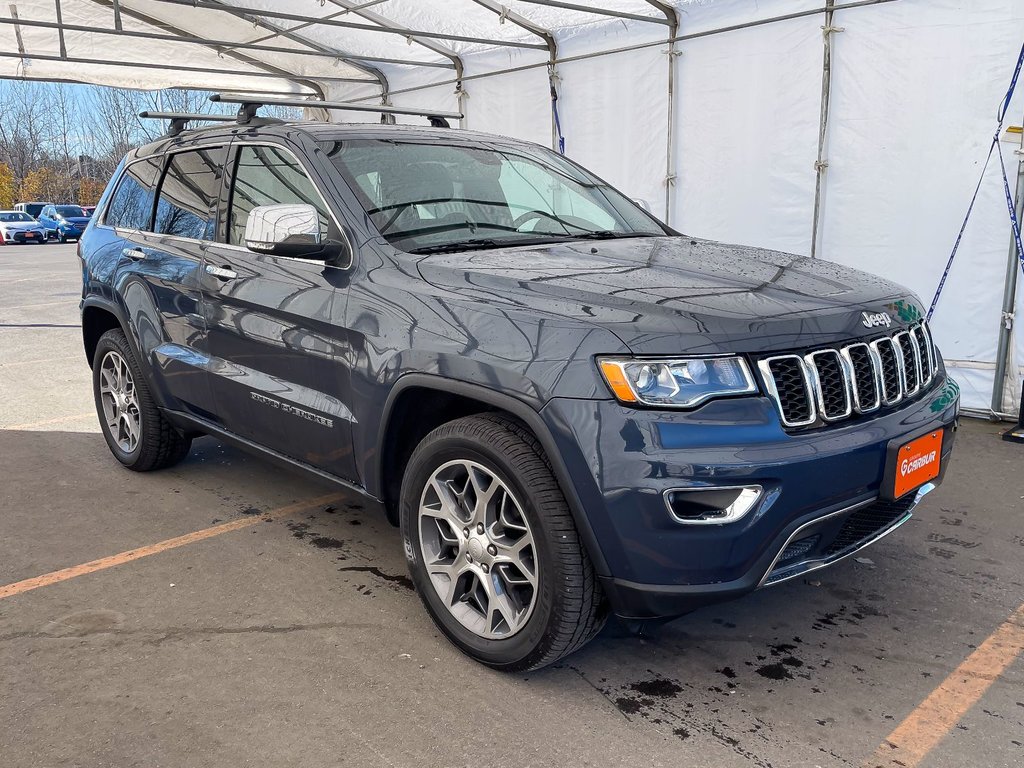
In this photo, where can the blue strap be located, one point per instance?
(1004, 105)
(554, 111)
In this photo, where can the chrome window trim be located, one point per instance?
(239, 144)
(769, 381)
(819, 393)
(875, 376)
(887, 399)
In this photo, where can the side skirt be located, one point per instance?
(193, 424)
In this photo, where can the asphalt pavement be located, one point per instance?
(230, 613)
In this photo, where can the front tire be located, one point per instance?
(493, 548)
(136, 432)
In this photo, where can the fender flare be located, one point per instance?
(517, 408)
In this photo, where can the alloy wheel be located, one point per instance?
(120, 403)
(478, 549)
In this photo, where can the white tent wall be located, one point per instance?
(913, 109)
(915, 86)
(747, 134)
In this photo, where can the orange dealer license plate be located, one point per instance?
(917, 462)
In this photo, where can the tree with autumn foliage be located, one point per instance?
(8, 187)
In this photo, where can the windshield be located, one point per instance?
(70, 211)
(436, 197)
(34, 209)
(10, 216)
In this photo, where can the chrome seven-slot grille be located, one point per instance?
(831, 384)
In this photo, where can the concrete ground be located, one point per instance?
(297, 641)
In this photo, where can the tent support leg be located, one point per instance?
(1009, 300)
(821, 164)
(670, 139)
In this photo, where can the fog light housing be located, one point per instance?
(712, 505)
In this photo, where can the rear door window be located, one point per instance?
(131, 206)
(269, 176)
(189, 192)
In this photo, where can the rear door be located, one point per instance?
(158, 275)
(278, 373)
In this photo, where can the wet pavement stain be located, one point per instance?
(326, 542)
(398, 579)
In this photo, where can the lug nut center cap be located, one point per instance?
(476, 548)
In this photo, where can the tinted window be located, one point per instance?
(70, 211)
(187, 205)
(131, 207)
(268, 176)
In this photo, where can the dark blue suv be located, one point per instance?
(569, 409)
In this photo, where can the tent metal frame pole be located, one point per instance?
(507, 14)
(427, 43)
(221, 46)
(1006, 323)
(670, 140)
(175, 30)
(821, 163)
(642, 46)
(150, 65)
(600, 11)
(406, 33)
(60, 28)
(360, 64)
(117, 15)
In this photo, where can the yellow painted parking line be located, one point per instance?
(47, 422)
(103, 563)
(936, 716)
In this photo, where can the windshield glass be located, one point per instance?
(70, 211)
(9, 216)
(433, 197)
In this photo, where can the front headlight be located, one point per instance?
(681, 383)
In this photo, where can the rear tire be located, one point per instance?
(522, 591)
(136, 432)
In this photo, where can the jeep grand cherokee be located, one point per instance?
(569, 408)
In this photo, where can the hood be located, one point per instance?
(19, 226)
(74, 219)
(667, 295)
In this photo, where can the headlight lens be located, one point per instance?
(682, 383)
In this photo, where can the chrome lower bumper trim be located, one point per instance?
(806, 566)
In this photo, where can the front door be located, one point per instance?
(273, 323)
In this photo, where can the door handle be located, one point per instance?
(136, 254)
(221, 272)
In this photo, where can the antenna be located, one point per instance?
(249, 104)
(180, 120)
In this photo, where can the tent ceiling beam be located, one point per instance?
(181, 33)
(388, 24)
(598, 11)
(406, 33)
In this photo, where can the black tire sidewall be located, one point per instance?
(530, 640)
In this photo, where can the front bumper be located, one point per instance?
(25, 236)
(817, 483)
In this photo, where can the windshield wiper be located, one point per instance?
(460, 245)
(609, 234)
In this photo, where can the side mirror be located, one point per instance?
(289, 229)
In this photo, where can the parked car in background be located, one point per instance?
(65, 222)
(19, 227)
(32, 209)
(89, 210)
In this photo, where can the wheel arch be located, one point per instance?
(448, 400)
(98, 317)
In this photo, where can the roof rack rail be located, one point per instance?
(179, 120)
(249, 104)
